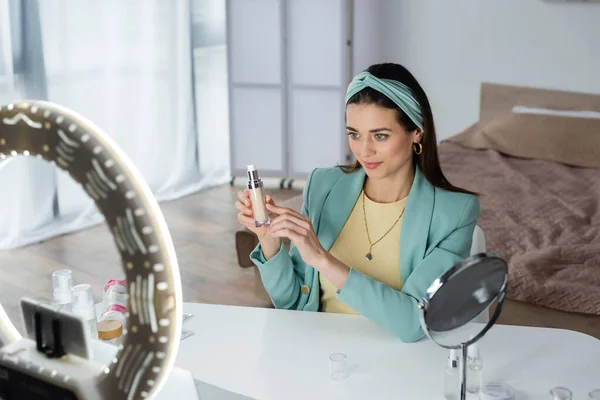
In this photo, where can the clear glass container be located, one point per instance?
(474, 369)
(338, 367)
(594, 395)
(561, 393)
(62, 284)
(83, 305)
(452, 377)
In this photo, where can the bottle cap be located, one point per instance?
(453, 359)
(496, 391)
(109, 329)
(83, 301)
(62, 283)
(453, 354)
(473, 350)
(253, 177)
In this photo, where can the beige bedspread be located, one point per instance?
(542, 216)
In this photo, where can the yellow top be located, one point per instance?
(352, 246)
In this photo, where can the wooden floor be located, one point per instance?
(203, 227)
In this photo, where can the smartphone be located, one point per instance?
(72, 328)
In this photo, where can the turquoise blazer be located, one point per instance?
(437, 231)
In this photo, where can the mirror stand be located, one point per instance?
(463, 371)
(454, 300)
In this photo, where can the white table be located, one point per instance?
(270, 354)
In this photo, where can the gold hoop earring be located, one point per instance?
(417, 148)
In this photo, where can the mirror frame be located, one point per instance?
(444, 278)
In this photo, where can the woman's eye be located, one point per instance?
(353, 135)
(380, 136)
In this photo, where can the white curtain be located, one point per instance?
(143, 70)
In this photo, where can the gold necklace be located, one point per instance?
(369, 256)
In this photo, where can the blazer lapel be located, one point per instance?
(416, 222)
(338, 206)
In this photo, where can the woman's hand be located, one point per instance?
(246, 215)
(298, 228)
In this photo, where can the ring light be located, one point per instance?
(146, 357)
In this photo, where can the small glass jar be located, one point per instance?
(110, 331)
(561, 393)
(337, 367)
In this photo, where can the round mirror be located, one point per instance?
(451, 310)
(455, 301)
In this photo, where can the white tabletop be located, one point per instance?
(269, 354)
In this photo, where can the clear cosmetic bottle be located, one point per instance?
(259, 207)
(474, 369)
(62, 283)
(452, 377)
(83, 305)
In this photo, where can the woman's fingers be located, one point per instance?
(290, 225)
(279, 210)
(287, 229)
(245, 220)
(286, 211)
(269, 200)
(241, 207)
(244, 194)
(287, 233)
(298, 219)
(244, 198)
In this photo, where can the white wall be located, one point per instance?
(452, 46)
(367, 42)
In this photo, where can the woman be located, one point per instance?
(373, 236)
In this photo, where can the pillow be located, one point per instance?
(569, 140)
(563, 113)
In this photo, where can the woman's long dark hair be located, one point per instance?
(428, 160)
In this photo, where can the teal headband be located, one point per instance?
(396, 91)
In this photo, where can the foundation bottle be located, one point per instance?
(259, 207)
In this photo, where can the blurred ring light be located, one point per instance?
(74, 144)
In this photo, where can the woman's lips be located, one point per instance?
(371, 165)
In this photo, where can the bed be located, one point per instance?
(534, 157)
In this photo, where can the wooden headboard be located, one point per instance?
(497, 99)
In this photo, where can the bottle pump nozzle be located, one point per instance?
(62, 283)
(453, 359)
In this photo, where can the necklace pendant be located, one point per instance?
(369, 257)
